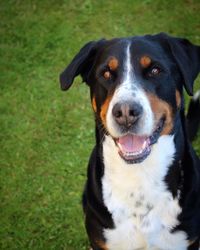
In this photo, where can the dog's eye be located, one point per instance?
(154, 71)
(107, 75)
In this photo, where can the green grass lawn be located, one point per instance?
(47, 135)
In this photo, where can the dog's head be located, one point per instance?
(136, 87)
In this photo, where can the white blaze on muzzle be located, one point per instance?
(130, 91)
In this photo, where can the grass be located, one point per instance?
(47, 135)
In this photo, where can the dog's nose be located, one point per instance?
(126, 114)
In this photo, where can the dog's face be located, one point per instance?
(136, 87)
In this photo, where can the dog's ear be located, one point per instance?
(187, 57)
(81, 64)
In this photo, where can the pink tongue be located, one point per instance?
(131, 143)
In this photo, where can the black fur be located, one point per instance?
(193, 117)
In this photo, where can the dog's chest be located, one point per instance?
(142, 216)
(143, 211)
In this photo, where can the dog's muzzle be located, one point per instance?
(127, 114)
(133, 147)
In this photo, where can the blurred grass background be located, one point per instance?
(47, 135)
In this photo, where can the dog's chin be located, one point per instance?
(134, 148)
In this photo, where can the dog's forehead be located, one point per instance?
(115, 47)
(138, 46)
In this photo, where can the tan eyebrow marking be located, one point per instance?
(145, 61)
(113, 63)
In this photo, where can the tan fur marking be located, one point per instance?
(94, 105)
(113, 63)
(145, 61)
(104, 109)
(161, 108)
(191, 242)
(178, 98)
(101, 245)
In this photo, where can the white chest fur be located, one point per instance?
(143, 210)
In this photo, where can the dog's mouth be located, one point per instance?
(134, 148)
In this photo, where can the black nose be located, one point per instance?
(126, 114)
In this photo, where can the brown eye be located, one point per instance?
(155, 71)
(107, 75)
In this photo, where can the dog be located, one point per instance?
(143, 180)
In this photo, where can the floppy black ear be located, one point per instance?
(80, 64)
(187, 56)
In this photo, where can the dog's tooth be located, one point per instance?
(144, 145)
(120, 147)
